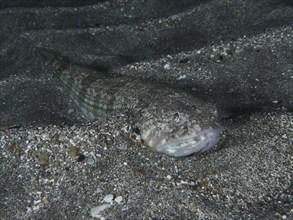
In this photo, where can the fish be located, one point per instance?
(170, 121)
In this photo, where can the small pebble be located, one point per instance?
(73, 152)
(70, 111)
(43, 159)
(119, 199)
(45, 201)
(181, 77)
(95, 211)
(98, 190)
(167, 66)
(109, 140)
(90, 161)
(108, 198)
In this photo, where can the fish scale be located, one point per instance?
(170, 121)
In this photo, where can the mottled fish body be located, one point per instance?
(170, 121)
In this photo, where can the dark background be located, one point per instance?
(131, 32)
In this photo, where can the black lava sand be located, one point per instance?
(57, 165)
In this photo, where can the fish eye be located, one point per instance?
(176, 116)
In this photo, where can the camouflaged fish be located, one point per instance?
(170, 121)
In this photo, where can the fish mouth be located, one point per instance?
(194, 142)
